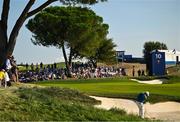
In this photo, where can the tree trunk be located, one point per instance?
(3, 56)
(94, 63)
(70, 57)
(7, 45)
(3, 45)
(3, 32)
(66, 61)
(17, 27)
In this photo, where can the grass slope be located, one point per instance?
(122, 88)
(55, 104)
(174, 70)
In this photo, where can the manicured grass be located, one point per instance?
(121, 88)
(54, 104)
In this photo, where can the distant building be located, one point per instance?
(172, 57)
(128, 58)
(121, 56)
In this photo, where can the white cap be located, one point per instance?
(147, 93)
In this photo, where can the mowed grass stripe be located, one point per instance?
(120, 88)
(117, 87)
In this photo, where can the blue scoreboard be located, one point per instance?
(157, 63)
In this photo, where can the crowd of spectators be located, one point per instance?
(8, 72)
(78, 71)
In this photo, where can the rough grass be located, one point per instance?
(173, 79)
(174, 70)
(54, 104)
(148, 78)
(122, 88)
(168, 79)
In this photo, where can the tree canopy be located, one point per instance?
(105, 53)
(7, 43)
(75, 2)
(150, 46)
(78, 29)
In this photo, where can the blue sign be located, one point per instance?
(157, 63)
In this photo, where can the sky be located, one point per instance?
(131, 24)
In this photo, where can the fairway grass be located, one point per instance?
(120, 88)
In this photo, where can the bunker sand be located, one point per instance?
(156, 81)
(162, 111)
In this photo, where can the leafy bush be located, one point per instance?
(118, 111)
(172, 79)
(148, 78)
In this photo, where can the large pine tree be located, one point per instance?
(7, 43)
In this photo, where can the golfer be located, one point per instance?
(141, 99)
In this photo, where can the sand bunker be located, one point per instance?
(157, 81)
(163, 111)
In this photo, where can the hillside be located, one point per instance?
(32, 103)
(174, 70)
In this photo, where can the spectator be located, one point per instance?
(55, 66)
(8, 64)
(27, 66)
(41, 65)
(133, 71)
(7, 80)
(139, 72)
(37, 68)
(14, 70)
(32, 67)
(2, 76)
(143, 73)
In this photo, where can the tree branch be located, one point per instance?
(18, 25)
(4, 18)
(48, 2)
(3, 39)
(5, 11)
